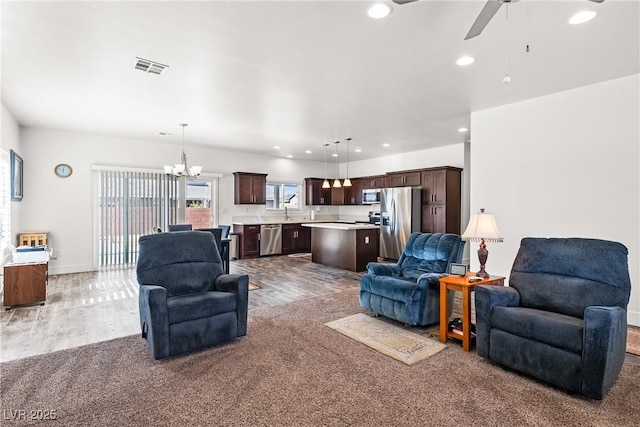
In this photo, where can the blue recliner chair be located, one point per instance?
(409, 291)
(563, 318)
(186, 302)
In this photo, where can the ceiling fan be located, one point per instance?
(488, 11)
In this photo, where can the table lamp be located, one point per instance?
(482, 227)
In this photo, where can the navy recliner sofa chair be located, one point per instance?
(186, 302)
(409, 291)
(563, 318)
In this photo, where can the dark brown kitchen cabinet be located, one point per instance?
(249, 240)
(295, 238)
(404, 179)
(250, 188)
(353, 194)
(434, 219)
(369, 182)
(337, 196)
(441, 200)
(315, 194)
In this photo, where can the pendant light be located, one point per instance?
(182, 168)
(336, 182)
(507, 78)
(325, 184)
(347, 181)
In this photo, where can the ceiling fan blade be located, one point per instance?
(411, 1)
(487, 12)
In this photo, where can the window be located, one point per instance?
(280, 196)
(5, 205)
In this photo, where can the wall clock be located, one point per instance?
(63, 170)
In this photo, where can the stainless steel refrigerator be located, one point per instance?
(400, 215)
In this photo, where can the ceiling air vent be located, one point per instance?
(149, 66)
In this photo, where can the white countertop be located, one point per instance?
(340, 226)
(297, 221)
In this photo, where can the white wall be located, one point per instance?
(63, 207)
(563, 165)
(449, 155)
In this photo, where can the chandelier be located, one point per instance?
(182, 169)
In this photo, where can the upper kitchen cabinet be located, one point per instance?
(375, 182)
(441, 185)
(315, 194)
(441, 200)
(353, 194)
(250, 188)
(404, 179)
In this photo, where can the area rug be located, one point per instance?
(253, 287)
(400, 344)
(633, 340)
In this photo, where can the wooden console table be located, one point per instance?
(25, 283)
(462, 284)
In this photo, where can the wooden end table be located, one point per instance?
(461, 284)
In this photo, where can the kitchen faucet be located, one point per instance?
(286, 213)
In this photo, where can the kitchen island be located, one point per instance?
(342, 245)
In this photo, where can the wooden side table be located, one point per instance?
(462, 284)
(25, 283)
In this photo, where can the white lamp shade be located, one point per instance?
(482, 226)
(346, 183)
(336, 183)
(326, 184)
(178, 169)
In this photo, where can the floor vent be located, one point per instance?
(149, 66)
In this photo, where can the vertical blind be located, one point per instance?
(132, 204)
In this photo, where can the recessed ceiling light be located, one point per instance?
(334, 155)
(386, 144)
(379, 11)
(289, 156)
(358, 150)
(462, 130)
(465, 60)
(582, 17)
(308, 151)
(277, 147)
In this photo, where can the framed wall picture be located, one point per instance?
(16, 176)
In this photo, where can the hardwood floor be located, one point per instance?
(84, 308)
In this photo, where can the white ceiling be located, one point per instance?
(247, 76)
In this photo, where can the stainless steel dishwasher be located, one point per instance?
(270, 239)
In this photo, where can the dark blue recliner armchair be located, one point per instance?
(186, 302)
(563, 318)
(409, 291)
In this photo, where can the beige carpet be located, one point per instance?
(389, 339)
(291, 370)
(633, 340)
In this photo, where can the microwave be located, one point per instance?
(370, 196)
